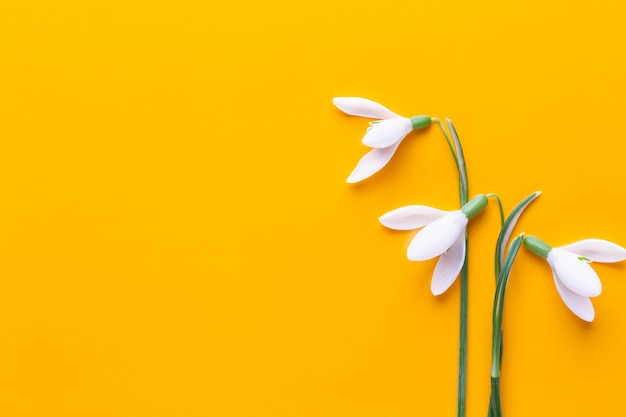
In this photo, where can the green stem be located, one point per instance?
(492, 399)
(495, 197)
(462, 389)
(507, 229)
(503, 238)
(445, 134)
(495, 409)
(459, 160)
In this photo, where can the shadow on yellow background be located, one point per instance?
(177, 237)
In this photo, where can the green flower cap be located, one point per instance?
(537, 246)
(475, 205)
(419, 122)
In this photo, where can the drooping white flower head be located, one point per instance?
(443, 235)
(384, 135)
(574, 278)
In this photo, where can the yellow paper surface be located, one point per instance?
(177, 237)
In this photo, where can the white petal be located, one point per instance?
(371, 163)
(576, 274)
(357, 106)
(597, 250)
(437, 237)
(448, 266)
(387, 132)
(579, 304)
(411, 217)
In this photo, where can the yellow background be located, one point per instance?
(177, 237)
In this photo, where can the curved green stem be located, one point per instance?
(495, 197)
(459, 159)
(445, 134)
(507, 228)
(463, 196)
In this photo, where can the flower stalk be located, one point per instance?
(498, 310)
(503, 267)
(459, 159)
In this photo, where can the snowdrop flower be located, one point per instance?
(443, 235)
(384, 135)
(575, 280)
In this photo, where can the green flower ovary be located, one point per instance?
(537, 246)
(419, 122)
(475, 206)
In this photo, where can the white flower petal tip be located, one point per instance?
(575, 273)
(437, 237)
(448, 267)
(387, 132)
(578, 304)
(371, 163)
(362, 107)
(588, 317)
(597, 250)
(411, 217)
